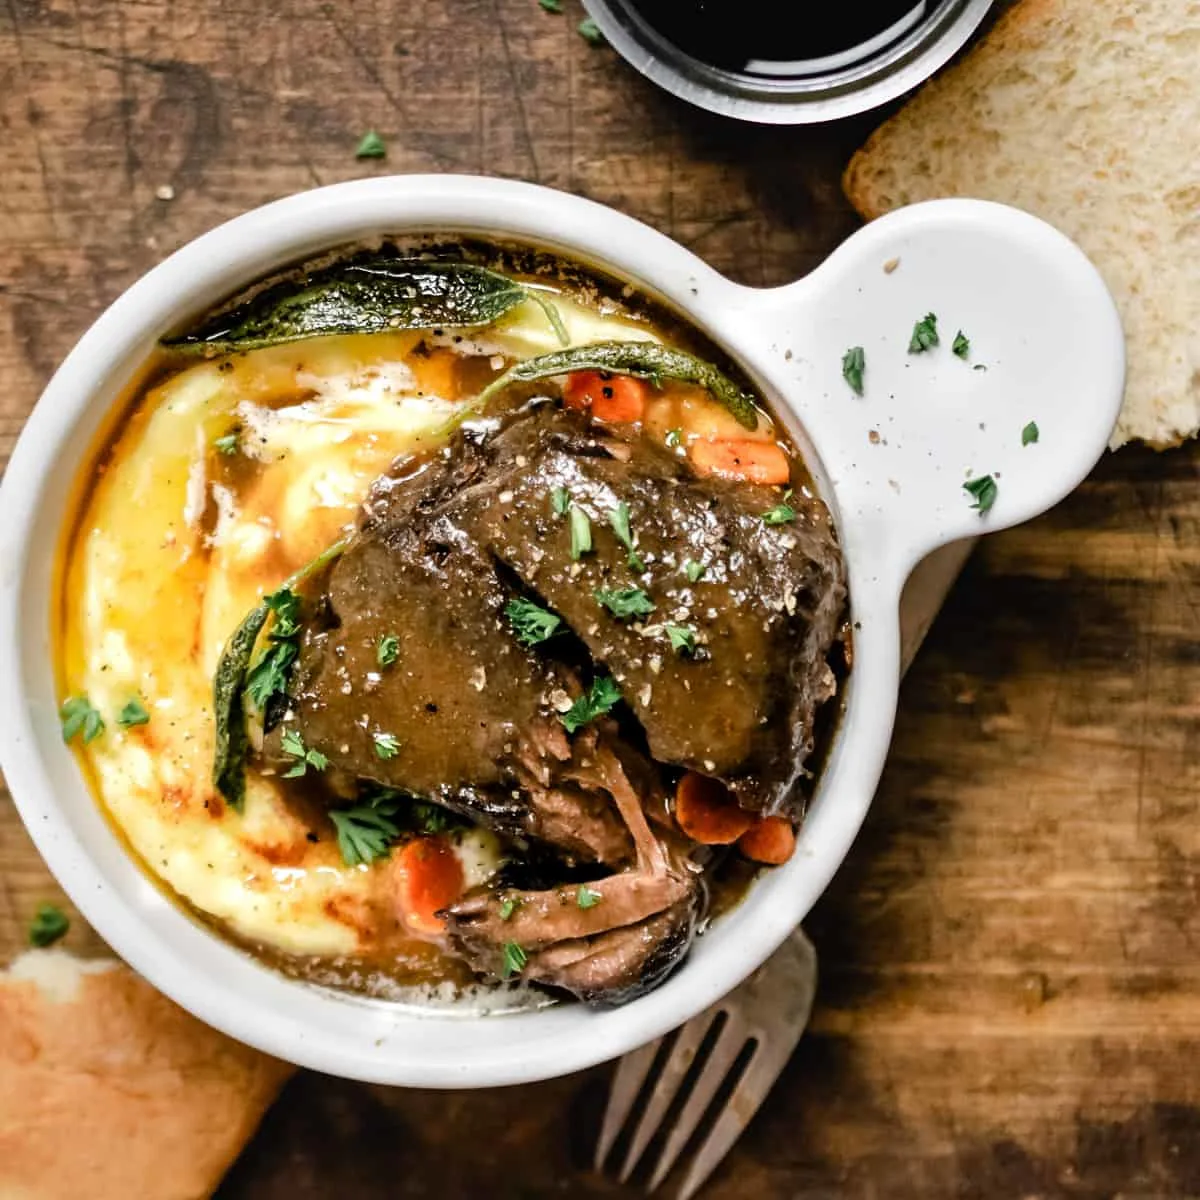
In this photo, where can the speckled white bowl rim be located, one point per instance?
(891, 464)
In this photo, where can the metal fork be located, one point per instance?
(732, 1053)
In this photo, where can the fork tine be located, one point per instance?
(705, 1086)
(718, 1066)
(750, 1091)
(683, 1054)
(627, 1082)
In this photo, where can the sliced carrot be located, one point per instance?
(752, 462)
(770, 840)
(706, 811)
(428, 878)
(610, 397)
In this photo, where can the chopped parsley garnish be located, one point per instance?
(962, 344)
(551, 6)
(48, 925)
(285, 604)
(371, 146)
(626, 602)
(694, 570)
(587, 897)
(270, 674)
(78, 716)
(602, 696)
(508, 906)
(979, 367)
(619, 520)
(984, 491)
(560, 500)
(1030, 434)
(854, 362)
(387, 745)
(590, 32)
(781, 514)
(514, 960)
(429, 818)
(674, 438)
(415, 815)
(228, 443)
(366, 831)
(581, 532)
(924, 335)
(530, 622)
(388, 650)
(292, 744)
(134, 713)
(682, 638)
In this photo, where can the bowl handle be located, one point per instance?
(1031, 401)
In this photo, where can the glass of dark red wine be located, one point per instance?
(787, 63)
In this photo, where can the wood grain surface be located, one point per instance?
(1010, 995)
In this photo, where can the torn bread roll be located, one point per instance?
(1085, 114)
(109, 1091)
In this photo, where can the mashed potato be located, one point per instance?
(221, 481)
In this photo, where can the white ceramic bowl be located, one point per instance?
(891, 464)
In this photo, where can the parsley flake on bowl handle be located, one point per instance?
(854, 363)
(924, 334)
(984, 491)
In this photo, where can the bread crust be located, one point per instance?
(1046, 112)
(109, 1091)
(1018, 29)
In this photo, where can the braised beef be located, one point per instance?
(764, 612)
(614, 965)
(467, 717)
(464, 716)
(608, 940)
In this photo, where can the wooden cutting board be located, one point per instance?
(1010, 995)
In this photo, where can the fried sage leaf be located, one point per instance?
(372, 296)
(646, 360)
(229, 686)
(229, 707)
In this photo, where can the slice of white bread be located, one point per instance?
(108, 1091)
(1087, 113)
